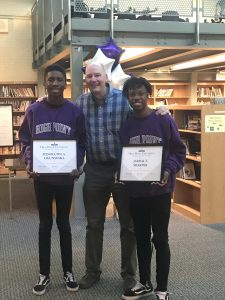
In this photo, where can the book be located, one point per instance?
(186, 143)
(189, 170)
(194, 146)
(194, 122)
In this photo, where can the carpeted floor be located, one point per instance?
(197, 266)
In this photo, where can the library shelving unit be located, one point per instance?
(202, 198)
(208, 90)
(170, 93)
(19, 95)
(67, 91)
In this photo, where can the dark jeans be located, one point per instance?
(45, 193)
(152, 213)
(98, 186)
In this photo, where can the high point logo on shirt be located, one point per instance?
(145, 139)
(53, 127)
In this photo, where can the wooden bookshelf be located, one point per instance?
(20, 95)
(202, 199)
(170, 93)
(179, 93)
(208, 90)
(67, 91)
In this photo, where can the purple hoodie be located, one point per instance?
(43, 121)
(155, 129)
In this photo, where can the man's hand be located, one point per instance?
(162, 110)
(40, 99)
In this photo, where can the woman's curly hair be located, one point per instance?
(136, 82)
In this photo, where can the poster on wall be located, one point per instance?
(6, 125)
(215, 123)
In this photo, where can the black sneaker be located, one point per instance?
(162, 295)
(71, 284)
(138, 291)
(41, 285)
(148, 286)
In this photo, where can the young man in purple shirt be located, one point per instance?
(150, 202)
(53, 118)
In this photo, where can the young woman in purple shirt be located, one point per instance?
(150, 202)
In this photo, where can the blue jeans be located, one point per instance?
(152, 214)
(98, 186)
(45, 193)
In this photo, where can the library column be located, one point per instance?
(193, 87)
(76, 64)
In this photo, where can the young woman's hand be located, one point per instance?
(164, 180)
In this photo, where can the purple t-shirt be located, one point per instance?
(43, 121)
(155, 129)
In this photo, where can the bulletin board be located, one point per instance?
(6, 125)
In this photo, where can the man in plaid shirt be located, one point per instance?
(105, 110)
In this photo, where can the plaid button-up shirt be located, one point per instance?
(103, 123)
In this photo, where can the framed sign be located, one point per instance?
(141, 163)
(6, 125)
(54, 156)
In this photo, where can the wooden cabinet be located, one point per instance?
(19, 95)
(202, 198)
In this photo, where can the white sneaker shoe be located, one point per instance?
(162, 295)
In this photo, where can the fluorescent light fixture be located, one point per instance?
(133, 52)
(199, 62)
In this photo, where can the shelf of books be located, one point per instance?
(200, 185)
(179, 93)
(171, 93)
(19, 96)
(207, 91)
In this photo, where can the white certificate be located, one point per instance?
(141, 163)
(6, 125)
(54, 156)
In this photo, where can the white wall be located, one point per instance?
(16, 7)
(16, 52)
(16, 45)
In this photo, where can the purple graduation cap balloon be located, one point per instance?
(111, 50)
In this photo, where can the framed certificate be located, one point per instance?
(54, 156)
(6, 125)
(141, 163)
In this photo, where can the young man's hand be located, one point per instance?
(31, 174)
(76, 173)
